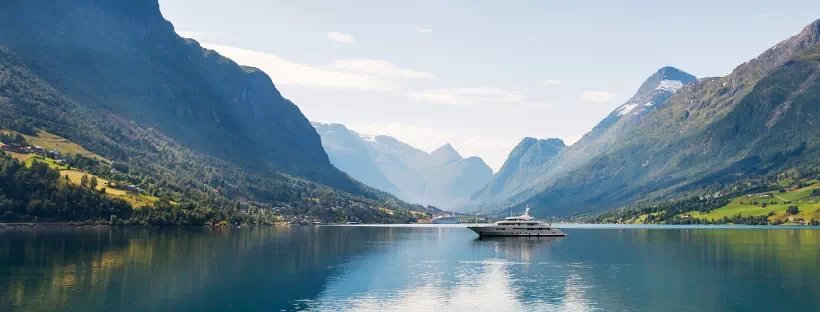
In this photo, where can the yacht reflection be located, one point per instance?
(521, 248)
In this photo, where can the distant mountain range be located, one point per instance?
(677, 134)
(194, 128)
(442, 178)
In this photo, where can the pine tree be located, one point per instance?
(84, 180)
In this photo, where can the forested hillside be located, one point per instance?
(190, 126)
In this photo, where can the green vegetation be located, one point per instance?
(179, 130)
(789, 197)
(760, 119)
(38, 193)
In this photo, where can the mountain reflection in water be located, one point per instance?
(408, 269)
(482, 283)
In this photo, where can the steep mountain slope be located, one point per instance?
(526, 163)
(442, 178)
(652, 95)
(760, 118)
(183, 123)
(122, 57)
(348, 152)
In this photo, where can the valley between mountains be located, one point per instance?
(679, 137)
(109, 116)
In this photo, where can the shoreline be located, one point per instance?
(35, 225)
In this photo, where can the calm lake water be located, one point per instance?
(408, 269)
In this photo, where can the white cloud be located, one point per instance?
(492, 150)
(284, 72)
(532, 37)
(424, 30)
(597, 96)
(553, 82)
(379, 67)
(339, 37)
(472, 96)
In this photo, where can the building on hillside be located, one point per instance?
(133, 188)
(39, 150)
(15, 148)
(54, 154)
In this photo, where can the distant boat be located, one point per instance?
(353, 222)
(523, 225)
(448, 219)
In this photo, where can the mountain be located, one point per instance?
(443, 155)
(349, 153)
(123, 58)
(525, 164)
(442, 178)
(552, 159)
(760, 118)
(190, 124)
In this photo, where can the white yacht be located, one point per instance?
(446, 219)
(524, 225)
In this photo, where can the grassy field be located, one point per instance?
(50, 141)
(809, 207)
(136, 200)
(51, 163)
(20, 157)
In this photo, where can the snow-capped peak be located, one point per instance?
(670, 85)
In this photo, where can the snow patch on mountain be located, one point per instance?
(670, 85)
(368, 137)
(626, 108)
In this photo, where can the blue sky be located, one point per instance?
(480, 75)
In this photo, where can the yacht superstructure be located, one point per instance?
(523, 225)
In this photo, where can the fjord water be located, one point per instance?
(367, 268)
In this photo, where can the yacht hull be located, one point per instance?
(493, 230)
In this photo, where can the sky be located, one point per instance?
(481, 75)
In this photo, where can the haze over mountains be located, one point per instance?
(678, 134)
(442, 178)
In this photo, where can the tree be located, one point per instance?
(84, 180)
(793, 210)
(93, 184)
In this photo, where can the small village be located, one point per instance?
(25, 148)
